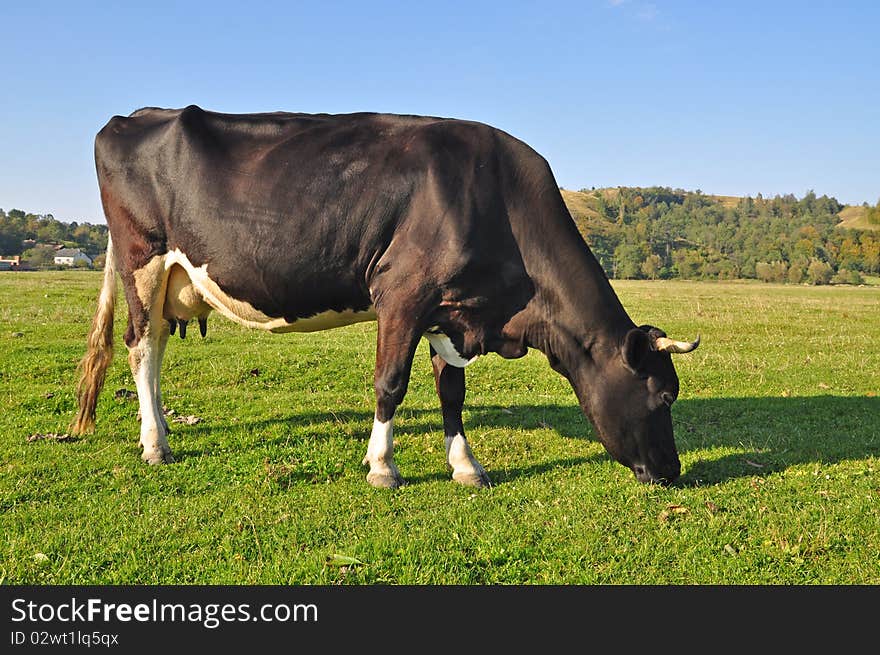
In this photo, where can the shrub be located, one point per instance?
(773, 272)
(795, 274)
(847, 276)
(819, 272)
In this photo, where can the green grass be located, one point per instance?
(778, 426)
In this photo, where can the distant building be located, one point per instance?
(10, 263)
(70, 256)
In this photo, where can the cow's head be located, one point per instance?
(627, 392)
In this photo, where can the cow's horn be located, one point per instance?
(672, 346)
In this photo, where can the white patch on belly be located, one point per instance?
(325, 321)
(244, 313)
(444, 347)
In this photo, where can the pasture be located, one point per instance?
(778, 427)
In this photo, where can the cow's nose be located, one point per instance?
(642, 474)
(645, 476)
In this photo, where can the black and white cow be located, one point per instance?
(444, 229)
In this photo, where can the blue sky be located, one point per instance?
(735, 98)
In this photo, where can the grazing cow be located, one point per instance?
(444, 229)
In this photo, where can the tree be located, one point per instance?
(805, 248)
(688, 263)
(795, 274)
(627, 261)
(850, 253)
(819, 272)
(51, 231)
(773, 272)
(651, 266)
(39, 256)
(10, 239)
(873, 214)
(82, 234)
(870, 248)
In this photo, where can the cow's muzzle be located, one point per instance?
(665, 478)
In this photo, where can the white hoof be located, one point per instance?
(157, 456)
(466, 469)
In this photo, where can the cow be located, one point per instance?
(440, 228)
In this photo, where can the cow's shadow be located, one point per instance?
(767, 435)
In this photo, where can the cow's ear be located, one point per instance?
(636, 346)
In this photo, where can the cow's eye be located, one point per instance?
(667, 398)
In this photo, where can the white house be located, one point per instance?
(70, 256)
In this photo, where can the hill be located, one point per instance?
(855, 217)
(582, 205)
(652, 232)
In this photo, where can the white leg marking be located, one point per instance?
(443, 346)
(380, 456)
(465, 467)
(145, 367)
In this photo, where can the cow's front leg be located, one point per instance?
(396, 345)
(380, 456)
(449, 382)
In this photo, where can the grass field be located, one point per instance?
(778, 426)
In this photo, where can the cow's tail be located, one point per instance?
(93, 367)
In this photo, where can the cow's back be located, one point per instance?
(292, 213)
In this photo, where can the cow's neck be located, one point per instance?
(574, 308)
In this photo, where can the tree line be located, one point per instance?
(33, 236)
(635, 232)
(658, 232)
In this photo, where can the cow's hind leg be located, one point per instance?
(161, 342)
(145, 361)
(164, 333)
(449, 382)
(146, 339)
(396, 345)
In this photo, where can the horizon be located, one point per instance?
(562, 188)
(736, 100)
